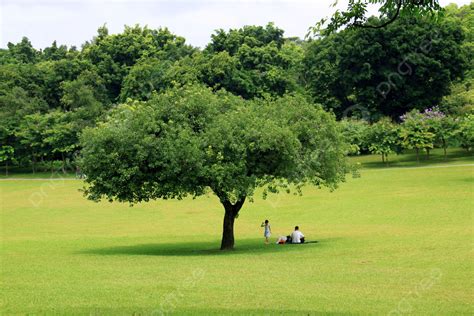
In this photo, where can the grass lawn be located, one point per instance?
(394, 241)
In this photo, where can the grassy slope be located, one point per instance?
(394, 238)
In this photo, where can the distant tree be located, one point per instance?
(7, 154)
(60, 135)
(221, 70)
(114, 54)
(247, 62)
(464, 16)
(56, 72)
(216, 70)
(443, 127)
(251, 36)
(252, 61)
(465, 133)
(28, 77)
(409, 64)
(186, 71)
(188, 140)
(383, 138)
(23, 51)
(461, 98)
(83, 94)
(50, 136)
(355, 133)
(415, 133)
(30, 135)
(15, 104)
(146, 76)
(55, 52)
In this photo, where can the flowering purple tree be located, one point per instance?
(427, 129)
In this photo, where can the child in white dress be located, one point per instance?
(267, 231)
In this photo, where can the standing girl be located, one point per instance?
(267, 231)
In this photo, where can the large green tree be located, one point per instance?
(409, 64)
(461, 98)
(114, 54)
(252, 61)
(189, 140)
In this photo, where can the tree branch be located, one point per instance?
(392, 19)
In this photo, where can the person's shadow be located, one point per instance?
(247, 246)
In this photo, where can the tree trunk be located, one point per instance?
(6, 168)
(63, 163)
(445, 151)
(427, 153)
(383, 158)
(418, 154)
(33, 161)
(231, 211)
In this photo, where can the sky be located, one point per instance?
(72, 22)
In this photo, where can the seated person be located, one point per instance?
(281, 240)
(297, 237)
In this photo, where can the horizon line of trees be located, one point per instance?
(420, 131)
(47, 97)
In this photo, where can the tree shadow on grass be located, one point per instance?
(248, 246)
(280, 312)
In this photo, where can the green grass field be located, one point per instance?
(395, 241)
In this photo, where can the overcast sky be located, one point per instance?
(72, 22)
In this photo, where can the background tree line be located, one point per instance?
(418, 131)
(48, 96)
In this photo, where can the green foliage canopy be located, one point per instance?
(408, 64)
(415, 132)
(383, 138)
